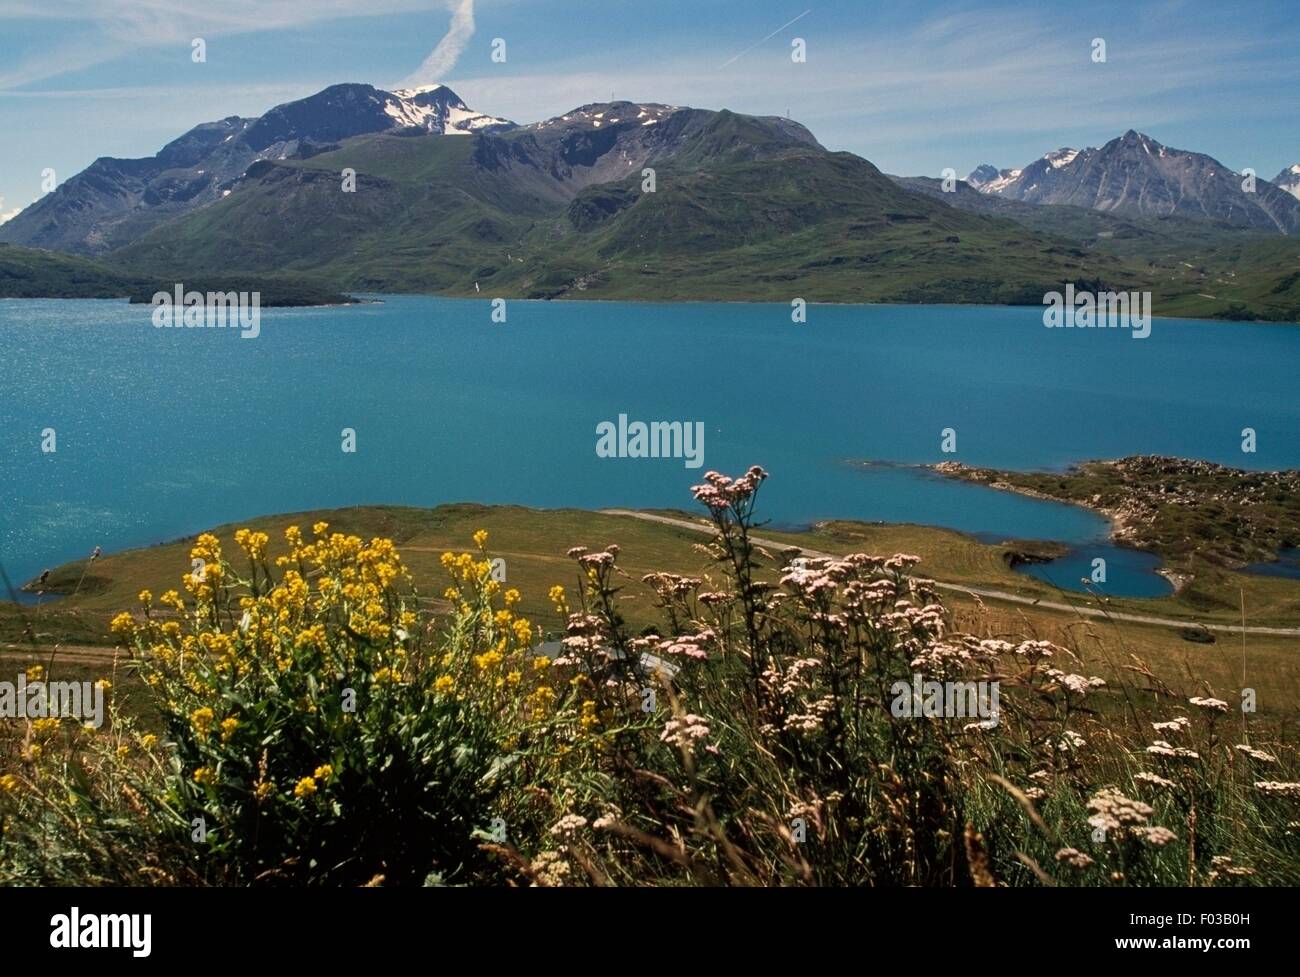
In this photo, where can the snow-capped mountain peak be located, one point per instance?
(437, 109)
(1289, 180)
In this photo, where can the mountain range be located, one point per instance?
(647, 200)
(1135, 175)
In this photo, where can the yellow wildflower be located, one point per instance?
(228, 727)
(204, 776)
(444, 685)
(146, 598)
(201, 719)
(323, 772)
(304, 788)
(148, 741)
(480, 538)
(8, 782)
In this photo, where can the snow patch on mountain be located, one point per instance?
(1062, 157)
(1001, 181)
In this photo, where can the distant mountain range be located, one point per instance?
(450, 200)
(1135, 175)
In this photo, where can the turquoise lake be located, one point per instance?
(164, 432)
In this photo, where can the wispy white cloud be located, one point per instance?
(189, 94)
(111, 29)
(448, 51)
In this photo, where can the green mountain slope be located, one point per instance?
(744, 208)
(32, 273)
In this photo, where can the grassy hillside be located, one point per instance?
(733, 216)
(31, 273)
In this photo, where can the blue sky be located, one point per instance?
(913, 86)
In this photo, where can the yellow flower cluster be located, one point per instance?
(252, 543)
(538, 704)
(336, 614)
(201, 720)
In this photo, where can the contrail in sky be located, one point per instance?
(766, 39)
(444, 57)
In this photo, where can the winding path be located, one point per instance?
(981, 592)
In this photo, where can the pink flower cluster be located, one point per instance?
(721, 492)
(685, 731)
(689, 645)
(1119, 816)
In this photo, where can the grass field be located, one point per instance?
(533, 544)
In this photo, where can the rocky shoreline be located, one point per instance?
(1185, 511)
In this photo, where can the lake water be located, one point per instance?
(164, 432)
(1286, 565)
